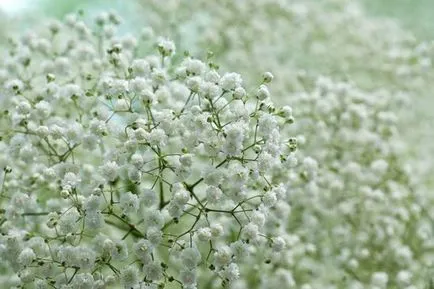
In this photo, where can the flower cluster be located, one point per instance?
(132, 170)
(126, 164)
(296, 38)
(324, 37)
(363, 191)
(359, 218)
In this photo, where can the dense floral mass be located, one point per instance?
(336, 38)
(129, 163)
(332, 37)
(131, 170)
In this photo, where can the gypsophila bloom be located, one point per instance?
(188, 278)
(190, 257)
(129, 203)
(263, 92)
(328, 37)
(26, 257)
(230, 81)
(278, 244)
(129, 277)
(231, 272)
(153, 271)
(132, 169)
(347, 151)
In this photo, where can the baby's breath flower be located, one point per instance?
(185, 168)
(190, 258)
(166, 47)
(129, 277)
(204, 234)
(230, 81)
(262, 92)
(110, 171)
(26, 257)
(153, 271)
(188, 278)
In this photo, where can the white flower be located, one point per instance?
(230, 81)
(190, 258)
(379, 167)
(194, 83)
(234, 139)
(267, 77)
(258, 218)
(26, 257)
(269, 199)
(23, 107)
(286, 111)
(212, 76)
(83, 281)
(118, 250)
(148, 197)
(154, 218)
(250, 231)
(262, 92)
(213, 194)
(157, 137)
(129, 203)
(129, 277)
(379, 279)
(14, 85)
(204, 234)
(110, 171)
(231, 272)
(209, 90)
(68, 222)
(212, 176)
(140, 67)
(122, 104)
(404, 277)
(134, 175)
(175, 210)
(166, 47)
(181, 196)
(70, 179)
(217, 230)
(43, 109)
(153, 271)
(154, 235)
(239, 93)
(223, 256)
(143, 250)
(239, 250)
(94, 220)
(266, 124)
(137, 160)
(194, 66)
(85, 257)
(278, 244)
(188, 277)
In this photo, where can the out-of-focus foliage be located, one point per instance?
(413, 15)
(3, 24)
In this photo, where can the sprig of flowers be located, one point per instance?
(133, 170)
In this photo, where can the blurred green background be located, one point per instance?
(415, 15)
